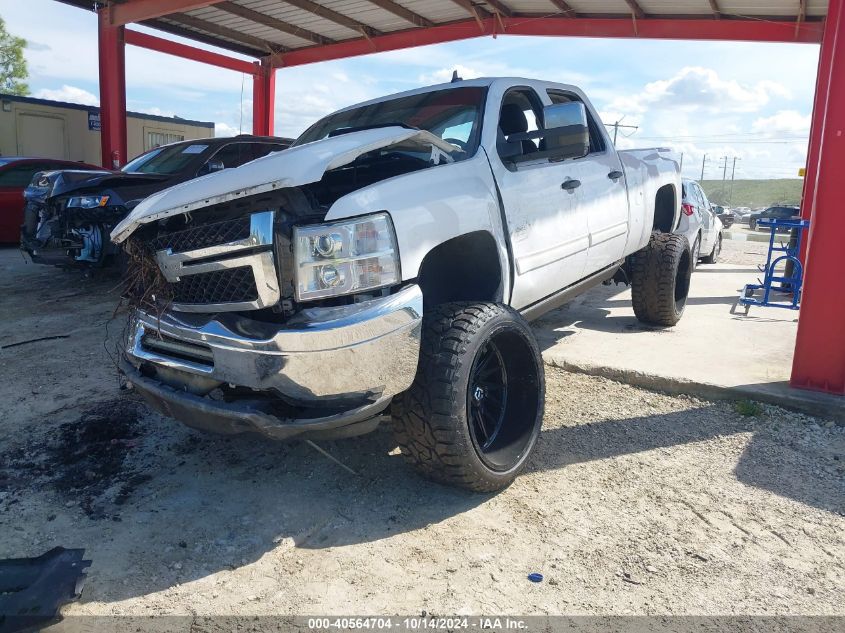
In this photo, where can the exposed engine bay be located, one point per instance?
(198, 237)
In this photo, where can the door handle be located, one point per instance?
(571, 184)
(615, 174)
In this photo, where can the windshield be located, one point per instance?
(453, 114)
(167, 160)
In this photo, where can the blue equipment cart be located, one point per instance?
(789, 281)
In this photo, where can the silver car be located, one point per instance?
(702, 228)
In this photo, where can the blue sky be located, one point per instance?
(750, 101)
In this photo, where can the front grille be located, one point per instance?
(231, 285)
(204, 235)
(163, 344)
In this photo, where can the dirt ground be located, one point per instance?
(634, 503)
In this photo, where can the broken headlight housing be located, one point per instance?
(346, 257)
(87, 202)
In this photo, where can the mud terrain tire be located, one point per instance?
(472, 416)
(660, 279)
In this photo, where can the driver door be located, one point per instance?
(548, 231)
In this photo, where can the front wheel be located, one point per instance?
(472, 416)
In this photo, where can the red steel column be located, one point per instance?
(819, 102)
(819, 362)
(112, 91)
(264, 99)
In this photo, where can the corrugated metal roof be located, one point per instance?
(259, 27)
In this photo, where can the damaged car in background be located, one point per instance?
(68, 214)
(386, 267)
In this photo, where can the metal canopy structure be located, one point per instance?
(302, 31)
(284, 33)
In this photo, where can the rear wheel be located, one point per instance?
(660, 279)
(472, 416)
(713, 257)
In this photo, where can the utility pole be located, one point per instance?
(733, 171)
(682, 164)
(703, 160)
(616, 125)
(724, 175)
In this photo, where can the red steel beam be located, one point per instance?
(392, 41)
(112, 91)
(668, 28)
(650, 28)
(264, 100)
(819, 361)
(151, 42)
(139, 10)
(816, 126)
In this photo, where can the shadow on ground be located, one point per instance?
(238, 498)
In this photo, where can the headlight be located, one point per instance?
(87, 202)
(345, 257)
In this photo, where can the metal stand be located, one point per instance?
(791, 279)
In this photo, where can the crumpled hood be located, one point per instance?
(56, 183)
(299, 165)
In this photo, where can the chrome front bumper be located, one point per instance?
(344, 359)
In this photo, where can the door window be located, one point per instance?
(596, 138)
(702, 199)
(520, 113)
(236, 154)
(262, 149)
(21, 175)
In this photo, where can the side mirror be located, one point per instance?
(566, 132)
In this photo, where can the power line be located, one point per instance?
(617, 124)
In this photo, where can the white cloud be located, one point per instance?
(304, 95)
(36, 46)
(155, 111)
(444, 75)
(224, 129)
(694, 88)
(70, 94)
(783, 122)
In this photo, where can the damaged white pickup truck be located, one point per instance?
(387, 265)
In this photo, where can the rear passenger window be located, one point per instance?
(20, 176)
(596, 138)
(262, 149)
(232, 155)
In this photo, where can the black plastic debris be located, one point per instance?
(33, 589)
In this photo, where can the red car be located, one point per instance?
(15, 175)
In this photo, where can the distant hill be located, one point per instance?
(755, 193)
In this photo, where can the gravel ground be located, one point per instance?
(740, 252)
(634, 503)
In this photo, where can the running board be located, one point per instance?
(538, 309)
